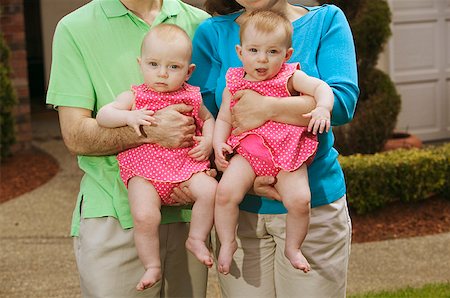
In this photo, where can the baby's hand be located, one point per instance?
(221, 152)
(320, 120)
(202, 150)
(136, 118)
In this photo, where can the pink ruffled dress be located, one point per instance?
(164, 167)
(274, 146)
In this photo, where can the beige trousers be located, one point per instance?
(109, 266)
(260, 269)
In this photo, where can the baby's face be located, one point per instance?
(165, 65)
(262, 54)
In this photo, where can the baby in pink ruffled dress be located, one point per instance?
(151, 171)
(273, 149)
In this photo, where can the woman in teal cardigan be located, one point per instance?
(323, 45)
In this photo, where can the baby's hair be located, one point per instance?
(169, 33)
(268, 21)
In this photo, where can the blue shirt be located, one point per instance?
(323, 45)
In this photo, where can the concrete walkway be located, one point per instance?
(36, 258)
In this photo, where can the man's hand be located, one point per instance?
(172, 129)
(249, 112)
(264, 186)
(183, 196)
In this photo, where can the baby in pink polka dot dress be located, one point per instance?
(273, 149)
(151, 171)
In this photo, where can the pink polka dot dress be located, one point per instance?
(164, 167)
(274, 146)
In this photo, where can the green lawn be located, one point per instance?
(428, 291)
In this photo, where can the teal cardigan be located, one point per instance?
(323, 45)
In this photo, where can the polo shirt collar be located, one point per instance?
(115, 8)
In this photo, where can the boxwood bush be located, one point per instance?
(379, 103)
(376, 180)
(7, 102)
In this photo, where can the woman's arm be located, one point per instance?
(336, 62)
(253, 110)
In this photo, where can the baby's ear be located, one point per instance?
(239, 51)
(288, 54)
(191, 69)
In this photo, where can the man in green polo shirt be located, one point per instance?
(94, 59)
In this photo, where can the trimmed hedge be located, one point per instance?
(405, 174)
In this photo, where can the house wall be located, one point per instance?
(419, 64)
(52, 11)
(13, 29)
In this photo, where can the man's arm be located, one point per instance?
(83, 136)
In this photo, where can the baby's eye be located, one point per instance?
(174, 67)
(273, 52)
(153, 64)
(253, 50)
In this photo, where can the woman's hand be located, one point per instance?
(264, 186)
(251, 111)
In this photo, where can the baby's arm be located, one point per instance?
(323, 95)
(222, 131)
(204, 148)
(120, 113)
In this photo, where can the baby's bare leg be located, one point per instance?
(294, 190)
(236, 181)
(203, 188)
(145, 207)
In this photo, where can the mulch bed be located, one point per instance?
(401, 220)
(26, 170)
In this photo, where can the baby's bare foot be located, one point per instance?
(226, 256)
(200, 251)
(297, 260)
(151, 276)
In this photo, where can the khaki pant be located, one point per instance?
(260, 269)
(109, 266)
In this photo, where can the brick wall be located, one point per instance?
(12, 26)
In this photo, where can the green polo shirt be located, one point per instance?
(94, 59)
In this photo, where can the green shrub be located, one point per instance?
(379, 103)
(404, 174)
(371, 125)
(7, 102)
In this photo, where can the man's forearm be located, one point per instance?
(83, 136)
(88, 138)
